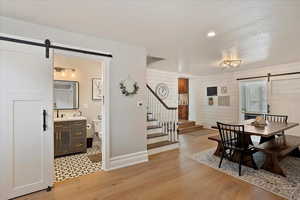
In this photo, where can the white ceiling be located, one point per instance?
(260, 32)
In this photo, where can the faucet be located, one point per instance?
(57, 113)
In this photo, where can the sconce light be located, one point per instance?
(64, 70)
(73, 73)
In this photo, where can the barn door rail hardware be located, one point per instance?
(47, 45)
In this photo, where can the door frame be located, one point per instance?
(106, 61)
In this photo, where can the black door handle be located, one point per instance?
(44, 120)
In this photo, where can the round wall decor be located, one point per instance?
(162, 90)
(129, 87)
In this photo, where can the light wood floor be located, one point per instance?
(170, 175)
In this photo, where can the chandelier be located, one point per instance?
(230, 63)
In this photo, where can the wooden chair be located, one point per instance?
(274, 118)
(234, 144)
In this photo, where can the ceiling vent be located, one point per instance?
(152, 59)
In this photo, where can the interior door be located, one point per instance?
(26, 106)
(285, 99)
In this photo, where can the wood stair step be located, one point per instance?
(186, 123)
(153, 127)
(160, 144)
(190, 129)
(156, 135)
(151, 120)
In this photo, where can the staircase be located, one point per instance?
(161, 124)
(186, 126)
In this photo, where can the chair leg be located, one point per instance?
(222, 157)
(240, 163)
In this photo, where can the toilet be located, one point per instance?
(97, 133)
(97, 126)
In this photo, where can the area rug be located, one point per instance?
(286, 187)
(76, 165)
(94, 158)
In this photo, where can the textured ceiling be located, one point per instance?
(260, 32)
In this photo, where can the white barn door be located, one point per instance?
(285, 99)
(26, 79)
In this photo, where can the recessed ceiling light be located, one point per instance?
(211, 34)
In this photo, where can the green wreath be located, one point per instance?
(125, 92)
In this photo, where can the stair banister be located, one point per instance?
(165, 115)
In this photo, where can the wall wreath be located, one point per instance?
(129, 87)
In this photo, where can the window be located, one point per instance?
(253, 97)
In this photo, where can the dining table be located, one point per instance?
(276, 144)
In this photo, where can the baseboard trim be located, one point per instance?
(128, 160)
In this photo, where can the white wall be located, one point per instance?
(207, 115)
(127, 121)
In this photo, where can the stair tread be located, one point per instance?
(151, 120)
(190, 127)
(153, 127)
(154, 135)
(186, 123)
(160, 144)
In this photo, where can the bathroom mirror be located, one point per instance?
(66, 95)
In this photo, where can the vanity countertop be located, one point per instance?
(64, 119)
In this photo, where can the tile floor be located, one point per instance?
(75, 165)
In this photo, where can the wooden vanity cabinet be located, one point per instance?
(69, 137)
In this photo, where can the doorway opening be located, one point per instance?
(185, 125)
(78, 115)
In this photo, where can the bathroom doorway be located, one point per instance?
(79, 114)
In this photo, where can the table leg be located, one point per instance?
(219, 150)
(271, 164)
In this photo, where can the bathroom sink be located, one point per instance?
(69, 119)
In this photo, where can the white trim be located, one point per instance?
(128, 160)
(105, 117)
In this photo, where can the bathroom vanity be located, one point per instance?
(69, 136)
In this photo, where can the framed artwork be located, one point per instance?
(224, 90)
(96, 89)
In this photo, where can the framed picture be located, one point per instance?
(96, 89)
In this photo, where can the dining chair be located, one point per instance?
(277, 119)
(234, 144)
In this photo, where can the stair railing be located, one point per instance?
(166, 116)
